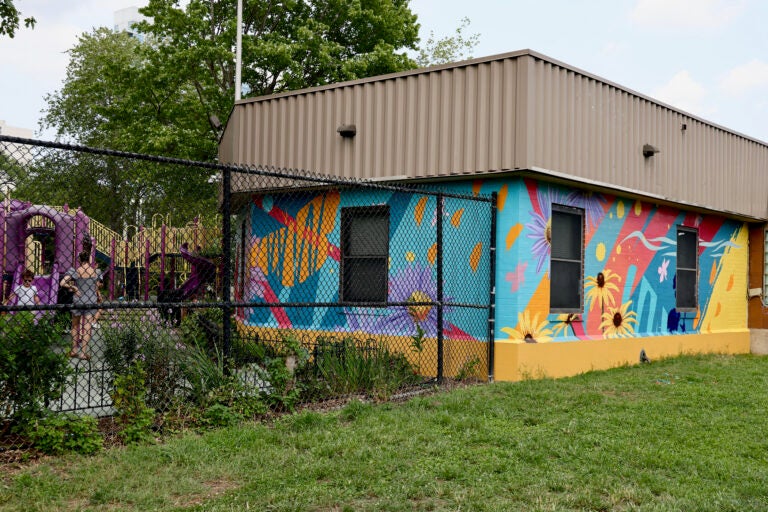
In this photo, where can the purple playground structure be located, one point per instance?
(47, 240)
(64, 231)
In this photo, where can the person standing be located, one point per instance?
(26, 292)
(83, 281)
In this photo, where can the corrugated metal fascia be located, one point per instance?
(597, 186)
(392, 76)
(492, 58)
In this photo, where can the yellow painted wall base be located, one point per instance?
(518, 361)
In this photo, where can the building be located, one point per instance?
(126, 18)
(624, 225)
(21, 157)
(13, 131)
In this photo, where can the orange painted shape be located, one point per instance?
(418, 211)
(432, 254)
(730, 284)
(713, 273)
(502, 197)
(512, 234)
(476, 186)
(717, 309)
(456, 217)
(474, 258)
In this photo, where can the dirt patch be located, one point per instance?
(213, 489)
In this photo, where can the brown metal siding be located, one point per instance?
(447, 122)
(515, 111)
(594, 130)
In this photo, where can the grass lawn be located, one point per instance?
(688, 434)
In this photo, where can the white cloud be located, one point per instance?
(686, 14)
(744, 78)
(685, 93)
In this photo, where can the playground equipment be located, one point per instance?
(47, 239)
(62, 233)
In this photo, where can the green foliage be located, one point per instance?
(609, 440)
(115, 97)
(281, 370)
(448, 49)
(349, 366)
(129, 401)
(469, 370)
(9, 19)
(241, 398)
(62, 433)
(417, 342)
(134, 335)
(172, 93)
(33, 367)
(219, 415)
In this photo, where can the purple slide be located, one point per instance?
(203, 271)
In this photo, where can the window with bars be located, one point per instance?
(567, 260)
(687, 268)
(364, 254)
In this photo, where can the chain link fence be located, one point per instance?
(143, 294)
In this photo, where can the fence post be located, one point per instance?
(492, 289)
(439, 216)
(226, 268)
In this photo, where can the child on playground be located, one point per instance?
(83, 281)
(26, 292)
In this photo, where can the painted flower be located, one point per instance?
(617, 322)
(563, 323)
(593, 204)
(663, 270)
(414, 283)
(529, 330)
(541, 233)
(541, 225)
(600, 289)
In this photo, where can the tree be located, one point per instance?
(286, 45)
(171, 94)
(115, 96)
(448, 49)
(9, 19)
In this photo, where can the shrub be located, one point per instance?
(33, 366)
(130, 337)
(281, 371)
(64, 433)
(129, 400)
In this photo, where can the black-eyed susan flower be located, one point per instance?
(618, 322)
(529, 330)
(600, 289)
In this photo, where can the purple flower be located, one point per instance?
(593, 204)
(414, 283)
(541, 233)
(541, 227)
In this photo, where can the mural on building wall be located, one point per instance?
(290, 253)
(629, 268)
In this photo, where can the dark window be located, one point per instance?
(567, 262)
(687, 268)
(364, 254)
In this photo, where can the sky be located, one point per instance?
(708, 58)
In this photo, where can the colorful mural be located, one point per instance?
(291, 254)
(629, 268)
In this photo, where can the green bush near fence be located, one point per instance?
(33, 367)
(167, 377)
